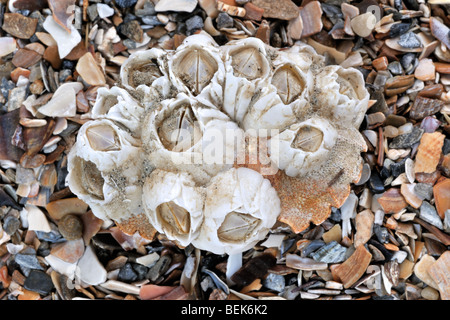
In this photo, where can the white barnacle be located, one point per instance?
(174, 205)
(240, 208)
(303, 146)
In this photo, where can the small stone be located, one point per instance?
(425, 71)
(375, 182)
(36, 219)
(429, 214)
(364, 223)
(395, 67)
(274, 282)
(29, 261)
(331, 252)
(334, 234)
(89, 70)
(364, 24)
(148, 260)
(441, 192)
(19, 26)
(278, 9)
(409, 170)
(380, 63)
(127, 273)
(397, 29)
(392, 201)
(159, 268)
(66, 40)
(407, 140)
(424, 107)
(70, 227)
(125, 3)
(132, 30)
(224, 20)
(38, 281)
(407, 191)
(390, 132)
(25, 58)
(439, 272)
(104, 11)
(11, 224)
(311, 16)
(428, 293)
(176, 5)
(7, 46)
(194, 23)
(409, 40)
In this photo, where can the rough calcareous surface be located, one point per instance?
(158, 157)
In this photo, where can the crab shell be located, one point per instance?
(240, 208)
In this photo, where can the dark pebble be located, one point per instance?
(159, 268)
(398, 29)
(44, 249)
(409, 40)
(406, 140)
(411, 4)
(29, 261)
(446, 146)
(140, 270)
(398, 168)
(381, 233)
(335, 214)
(151, 21)
(224, 20)
(71, 227)
(38, 281)
(332, 12)
(375, 182)
(194, 23)
(407, 61)
(312, 246)
(11, 224)
(332, 252)
(148, 9)
(395, 67)
(127, 273)
(125, 3)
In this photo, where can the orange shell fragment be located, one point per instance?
(429, 152)
(354, 267)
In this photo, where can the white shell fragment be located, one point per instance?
(66, 41)
(182, 143)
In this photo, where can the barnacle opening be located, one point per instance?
(247, 62)
(174, 218)
(195, 67)
(180, 130)
(144, 73)
(91, 179)
(237, 227)
(103, 138)
(308, 139)
(289, 83)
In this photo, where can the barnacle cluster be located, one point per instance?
(212, 145)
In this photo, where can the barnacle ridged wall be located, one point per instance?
(141, 160)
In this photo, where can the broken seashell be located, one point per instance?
(66, 40)
(429, 152)
(354, 267)
(63, 101)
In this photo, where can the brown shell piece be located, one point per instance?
(441, 193)
(138, 223)
(62, 12)
(439, 272)
(354, 267)
(429, 152)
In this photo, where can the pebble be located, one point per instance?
(38, 281)
(364, 24)
(331, 252)
(409, 40)
(125, 3)
(274, 282)
(423, 107)
(89, 70)
(7, 46)
(194, 23)
(425, 71)
(90, 270)
(69, 251)
(19, 26)
(407, 190)
(406, 140)
(429, 293)
(133, 30)
(224, 20)
(311, 15)
(127, 273)
(29, 261)
(104, 11)
(37, 220)
(66, 41)
(176, 5)
(11, 224)
(429, 214)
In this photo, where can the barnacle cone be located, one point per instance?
(211, 145)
